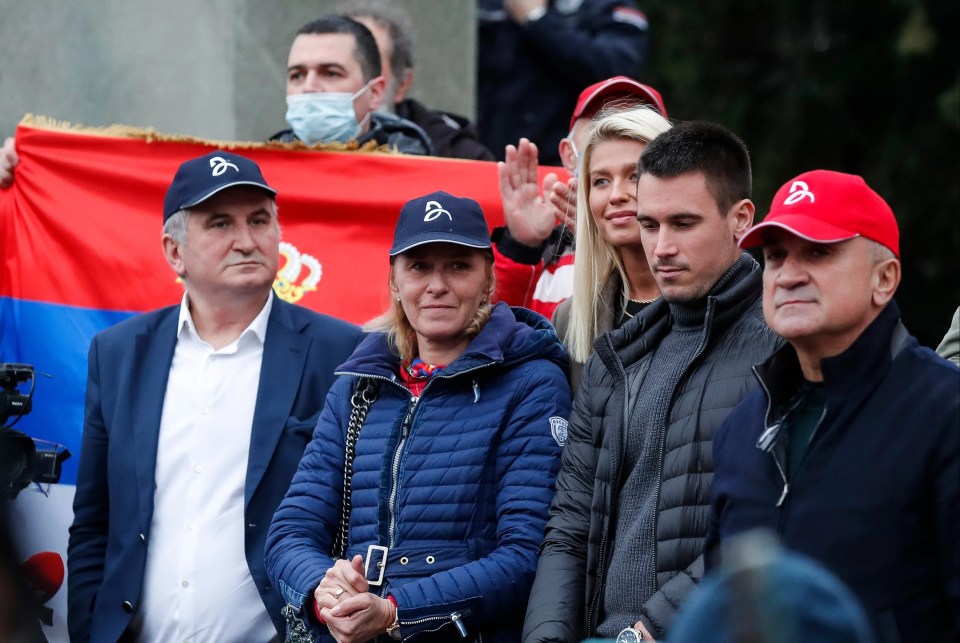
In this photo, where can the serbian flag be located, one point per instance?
(80, 235)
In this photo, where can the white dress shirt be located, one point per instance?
(197, 586)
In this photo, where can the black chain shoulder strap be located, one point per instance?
(360, 404)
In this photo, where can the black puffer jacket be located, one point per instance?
(568, 591)
(452, 135)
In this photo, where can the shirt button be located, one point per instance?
(198, 469)
(185, 584)
(190, 526)
(204, 411)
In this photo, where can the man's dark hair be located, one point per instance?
(365, 51)
(397, 24)
(707, 148)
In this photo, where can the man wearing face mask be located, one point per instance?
(334, 86)
(534, 252)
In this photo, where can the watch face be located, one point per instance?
(629, 635)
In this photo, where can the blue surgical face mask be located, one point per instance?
(324, 117)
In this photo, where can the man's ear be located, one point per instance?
(405, 85)
(567, 156)
(741, 218)
(886, 278)
(377, 85)
(171, 252)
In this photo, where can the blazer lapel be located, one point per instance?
(284, 358)
(153, 353)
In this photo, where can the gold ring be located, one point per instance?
(336, 594)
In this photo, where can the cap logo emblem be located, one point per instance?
(798, 192)
(220, 165)
(435, 210)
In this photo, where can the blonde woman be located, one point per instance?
(611, 279)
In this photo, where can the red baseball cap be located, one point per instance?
(829, 207)
(592, 98)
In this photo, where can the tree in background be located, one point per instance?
(866, 87)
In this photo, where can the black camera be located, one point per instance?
(23, 459)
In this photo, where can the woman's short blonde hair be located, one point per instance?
(402, 338)
(596, 260)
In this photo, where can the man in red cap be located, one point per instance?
(850, 450)
(534, 252)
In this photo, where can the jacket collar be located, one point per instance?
(281, 372)
(731, 297)
(510, 335)
(863, 363)
(284, 359)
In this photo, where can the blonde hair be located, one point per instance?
(402, 338)
(596, 260)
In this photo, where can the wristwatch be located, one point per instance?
(629, 635)
(394, 630)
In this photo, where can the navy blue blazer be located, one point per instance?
(127, 378)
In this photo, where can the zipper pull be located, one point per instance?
(783, 496)
(455, 617)
(768, 437)
(476, 396)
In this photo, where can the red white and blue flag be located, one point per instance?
(80, 237)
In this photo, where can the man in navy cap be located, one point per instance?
(196, 418)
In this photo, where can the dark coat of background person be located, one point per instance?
(529, 76)
(871, 88)
(452, 135)
(125, 392)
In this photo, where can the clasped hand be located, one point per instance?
(351, 612)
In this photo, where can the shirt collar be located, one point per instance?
(258, 327)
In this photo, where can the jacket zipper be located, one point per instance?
(771, 434)
(769, 437)
(395, 467)
(591, 614)
(395, 483)
(405, 433)
(707, 328)
(456, 618)
(602, 549)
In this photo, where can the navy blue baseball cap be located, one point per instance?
(440, 217)
(199, 179)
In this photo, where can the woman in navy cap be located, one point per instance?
(445, 430)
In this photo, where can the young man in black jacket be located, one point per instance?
(851, 450)
(623, 547)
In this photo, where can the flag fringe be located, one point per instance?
(151, 135)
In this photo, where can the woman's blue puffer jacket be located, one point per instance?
(456, 484)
